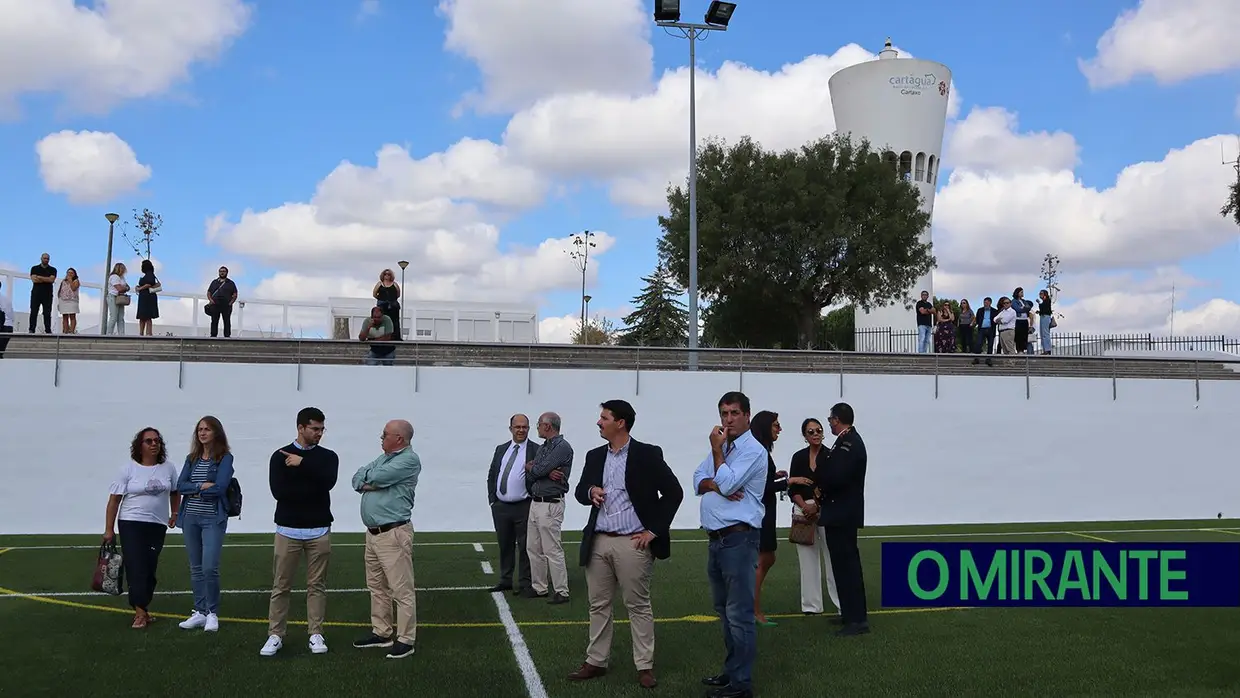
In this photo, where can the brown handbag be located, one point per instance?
(802, 532)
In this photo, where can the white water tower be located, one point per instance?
(901, 104)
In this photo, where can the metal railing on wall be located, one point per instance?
(298, 353)
(887, 340)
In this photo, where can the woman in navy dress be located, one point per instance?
(148, 301)
(765, 428)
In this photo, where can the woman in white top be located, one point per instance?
(144, 501)
(118, 298)
(68, 301)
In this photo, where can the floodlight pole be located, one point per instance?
(692, 32)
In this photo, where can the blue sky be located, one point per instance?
(250, 106)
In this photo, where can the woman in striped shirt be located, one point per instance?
(204, 517)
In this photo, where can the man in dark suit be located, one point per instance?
(510, 504)
(841, 482)
(633, 496)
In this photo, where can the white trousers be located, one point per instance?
(814, 561)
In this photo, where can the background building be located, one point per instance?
(444, 321)
(901, 104)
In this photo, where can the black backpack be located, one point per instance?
(233, 498)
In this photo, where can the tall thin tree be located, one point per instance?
(579, 253)
(147, 224)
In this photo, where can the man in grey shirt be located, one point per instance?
(546, 479)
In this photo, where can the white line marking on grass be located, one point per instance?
(1087, 536)
(226, 545)
(478, 547)
(889, 536)
(525, 662)
(57, 594)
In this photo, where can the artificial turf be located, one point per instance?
(78, 643)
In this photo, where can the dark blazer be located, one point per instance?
(841, 479)
(799, 467)
(652, 486)
(497, 465)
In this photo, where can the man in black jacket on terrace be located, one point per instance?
(302, 476)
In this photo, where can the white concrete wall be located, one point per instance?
(980, 452)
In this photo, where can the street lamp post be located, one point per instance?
(401, 302)
(107, 271)
(667, 15)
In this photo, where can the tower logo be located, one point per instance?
(943, 88)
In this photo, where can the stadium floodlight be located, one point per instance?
(717, 18)
(667, 10)
(720, 13)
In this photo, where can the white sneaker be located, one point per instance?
(212, 623)
(317, 644)
(197, 620)
(274, 643)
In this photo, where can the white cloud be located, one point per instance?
(987, 141)
(368, 8)
(536, 48)
(1169, 40)
(118, 50)
(560, 329)
(89, 167)
(592, 136)
(1154, 213)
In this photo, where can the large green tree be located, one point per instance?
(758, 321)
(659, 318)
(828, 223)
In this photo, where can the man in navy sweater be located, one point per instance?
(302, 477)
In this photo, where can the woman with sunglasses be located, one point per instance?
(143, 502)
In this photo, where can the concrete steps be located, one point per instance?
(278, 351)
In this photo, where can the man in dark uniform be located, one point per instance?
(841, 482)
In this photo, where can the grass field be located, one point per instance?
(57, 640)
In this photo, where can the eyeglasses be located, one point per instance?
(813, 432)
(152, 442)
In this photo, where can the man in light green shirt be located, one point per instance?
(387, 485)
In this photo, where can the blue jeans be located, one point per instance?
(1044, 332)
(732, 565)
(923, 338)
(204, 541)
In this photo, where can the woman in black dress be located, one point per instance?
(765, 428)
(148, 300)
(387, 295)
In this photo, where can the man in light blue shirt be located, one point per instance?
(387, 485)
(731, 482)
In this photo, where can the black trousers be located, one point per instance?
(985, 337)
(511, 522)
(1022, 336)
(41, 300)
(141, 544)
(849, 580)
(222, 310)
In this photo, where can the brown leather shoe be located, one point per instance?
(586, 672)
(645, 677)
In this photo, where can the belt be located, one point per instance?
(548, 500)
(376, 530)
(613, 534)
(734, 528)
